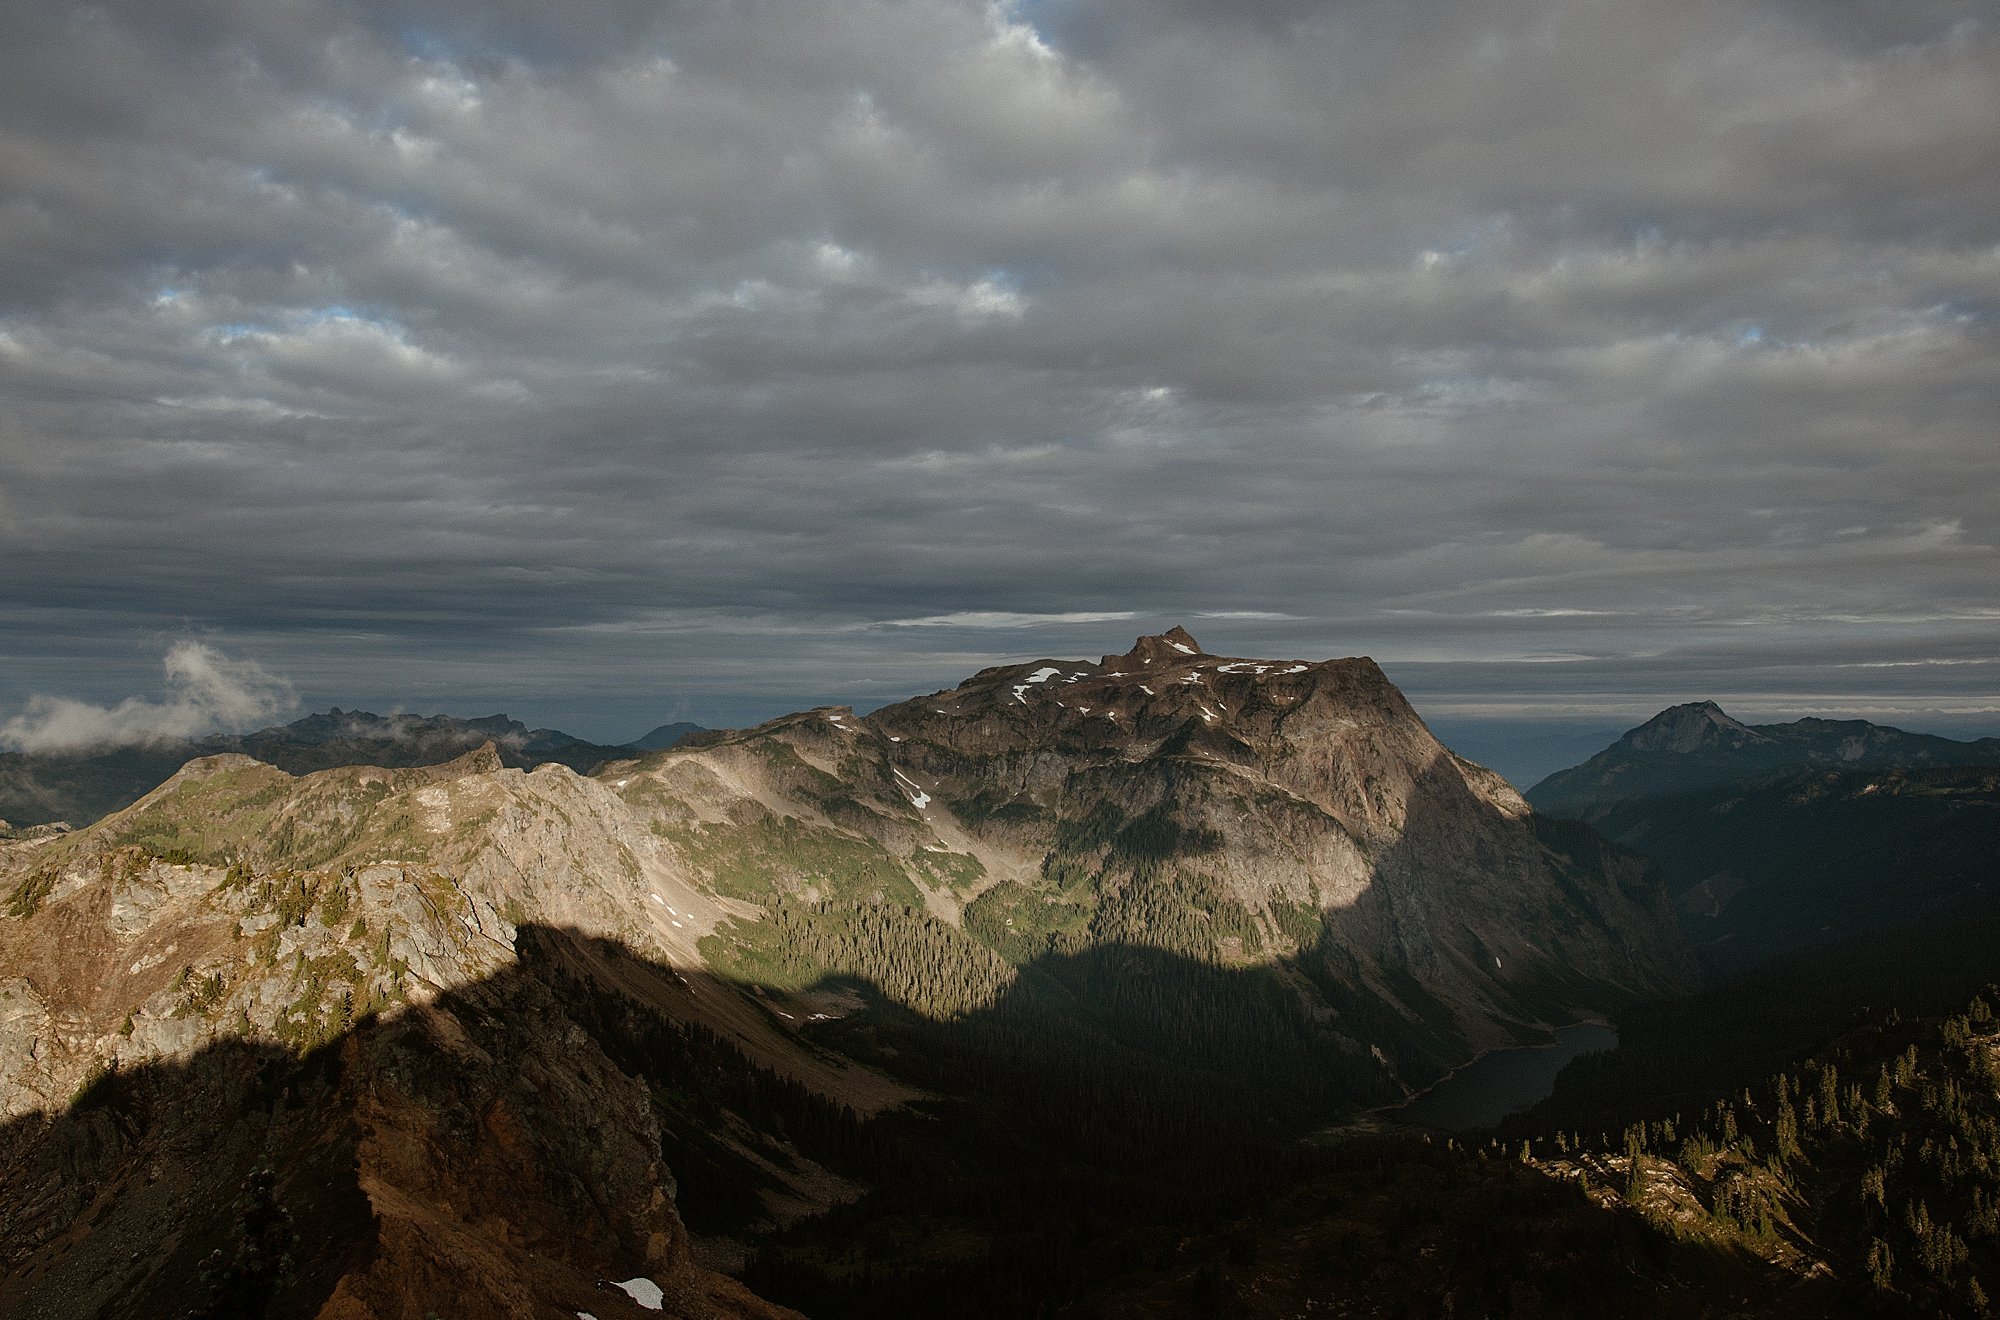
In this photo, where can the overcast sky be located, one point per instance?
(616, 362)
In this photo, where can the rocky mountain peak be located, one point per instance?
(481, 760)
(1173, 645)
(1691, 727)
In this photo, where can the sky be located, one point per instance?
(622, 361)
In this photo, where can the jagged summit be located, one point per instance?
(1691, 727)
(1169, 647)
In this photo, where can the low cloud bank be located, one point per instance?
(206, 692)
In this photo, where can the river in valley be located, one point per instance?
(1497, 1084)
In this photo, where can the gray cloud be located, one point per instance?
(593, 359)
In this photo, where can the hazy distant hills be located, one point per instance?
(665, 736)
(1525, 753)
(1776, 836)
(79, 787)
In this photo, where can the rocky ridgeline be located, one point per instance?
(330, 976)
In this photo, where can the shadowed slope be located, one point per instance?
(479, 1154)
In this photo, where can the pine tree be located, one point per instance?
(242, 1284)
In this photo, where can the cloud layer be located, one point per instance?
(206, 691)
(1562, 355)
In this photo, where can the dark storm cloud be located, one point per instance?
(591, 358)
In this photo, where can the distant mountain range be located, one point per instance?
(82, 786)
(1773, 837)
(1699, 746)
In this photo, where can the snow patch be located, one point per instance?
(918, 798)
(1044, 674)
(645, 1292)
(1148, 691)
(1295, 669)
(1183, 648)
(1242, 667)
(661, 901)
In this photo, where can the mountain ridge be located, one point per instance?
(1697, 745)
(82, 786)
(1774, 837)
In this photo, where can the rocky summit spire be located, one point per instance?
(1170, 647)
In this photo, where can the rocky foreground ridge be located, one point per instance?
(464, 1011)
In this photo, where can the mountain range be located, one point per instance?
(80, 786)
(1080, 988)
(1774, 837)
(496, 1039)
(1699, 746)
